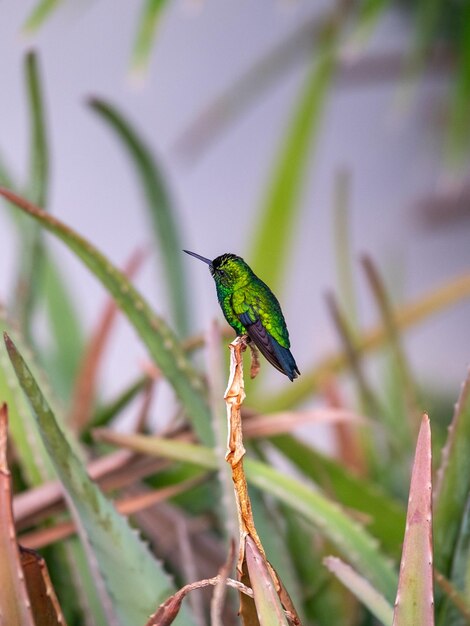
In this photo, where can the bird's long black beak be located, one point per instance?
(198, 256)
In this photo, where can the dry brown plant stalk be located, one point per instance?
(234, 397)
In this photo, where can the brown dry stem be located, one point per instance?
(234, 397)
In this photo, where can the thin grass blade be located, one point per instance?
(273, 234)
(342, 242)
(362, 589)
(146, 33)
(6, 177)
(32, 253)
(40, 13)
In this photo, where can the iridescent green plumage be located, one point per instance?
(251, 309)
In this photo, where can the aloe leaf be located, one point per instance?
(116, 546)
(160, 207)
(109, 411)
(14, 600)
(268, 605)
(455, 606)
(6, 177)
(401, 366)
(370, 403)
(151, 14)
(38, 176)
(386, 517)
(362, 589)
(273, 233)
(65, 329)
(369, 13)
(85, 593)
(414, 603)
(342, 241)
(459, 125)
(34, 461)
(159, 339)
(453, 484)
(32, 253)
(39, 15)
(347, 536)
(36, 466)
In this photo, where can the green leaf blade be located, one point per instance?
(159, 339)
(453, 484)
(148, 23)
(272, 238)
(362, 589)
(39, 15)
(117, 548)
(160, 207)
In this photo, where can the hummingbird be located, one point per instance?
(251, 309)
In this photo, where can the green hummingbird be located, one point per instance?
(251, 309)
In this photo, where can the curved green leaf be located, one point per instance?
(31, 248)
(151, 14)
(273, 234)
(65, 329)
(159, 339)
(135, 580)
(362, 589)
(161, 210)
(39, 14)
(453, 484)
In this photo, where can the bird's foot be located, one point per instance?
(255, 364)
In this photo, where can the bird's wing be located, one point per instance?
(261, 338)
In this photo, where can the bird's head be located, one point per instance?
(228, 270)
